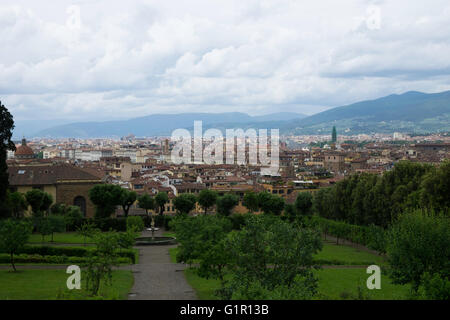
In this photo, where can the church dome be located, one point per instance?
(24, 151)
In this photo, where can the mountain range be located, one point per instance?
(411, 112)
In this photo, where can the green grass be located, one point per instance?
(334, 284)
(59, 237)
(347, 255)
(46, 284)
(173, 254)
(204, 288)
(169, 234)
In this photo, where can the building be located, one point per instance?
(24, 152)
(65, 183)
(334, 161)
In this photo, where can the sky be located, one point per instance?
(103, 60)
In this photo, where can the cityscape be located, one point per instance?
(149, 158)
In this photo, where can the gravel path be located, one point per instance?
(156, 278)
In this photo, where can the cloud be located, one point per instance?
(86, 60)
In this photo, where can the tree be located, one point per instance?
(199, 239)
(303, 203)
(161, 199)
(250, 201)
(270, 204)
(14, 234)
(49, 225)
(72, 217)
(18, 204)
(39, 201)
(419, 243)
(105, 197)
(185, 203)
(146, 202)
(6, 127)
(43, 226)
(127, 199)
(57, 224)
(87, 230)
(435, 188)
(100, 262)
(226, 203)
(290, 212)
(273, 255)
(135, 223)
(207, 198)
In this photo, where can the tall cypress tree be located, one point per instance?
(334, 135)
(6, 127)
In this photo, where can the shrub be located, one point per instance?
(135, 223)
(107, 224)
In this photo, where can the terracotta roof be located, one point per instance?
(24, 150)
(45, 175)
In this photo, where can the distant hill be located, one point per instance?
(409, 112)
(157, 124)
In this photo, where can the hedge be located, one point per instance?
(130, 254)
(36, 258)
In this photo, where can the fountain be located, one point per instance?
(148, 241)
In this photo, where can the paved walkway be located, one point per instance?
(156, 278)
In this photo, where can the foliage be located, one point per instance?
(161, 199)
(207, 198)
(135, 224)
(105, 197)
(196, 235)
(126, 240)
(226, 203)
(267, 241)
(270, 204)
(6, 127)
(303, 203)
(72, 217)
(250, 201)
(99, 264)
(13, 236)
(434, 287)
(435, 188)
(146, 202)
(367, 199)
(127, 199)
(419, 243)
(87, 230)
(184, 203)
(18, 204)
(39, 201)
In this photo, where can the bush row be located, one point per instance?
(129, 254)
(36, 258)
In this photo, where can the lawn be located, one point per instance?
(341, 283)
(60, 237)
(334, 284)
(46, 284)
(342, 254)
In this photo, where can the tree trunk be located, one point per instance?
(12, 262)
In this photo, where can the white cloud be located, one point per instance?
(119, 60)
